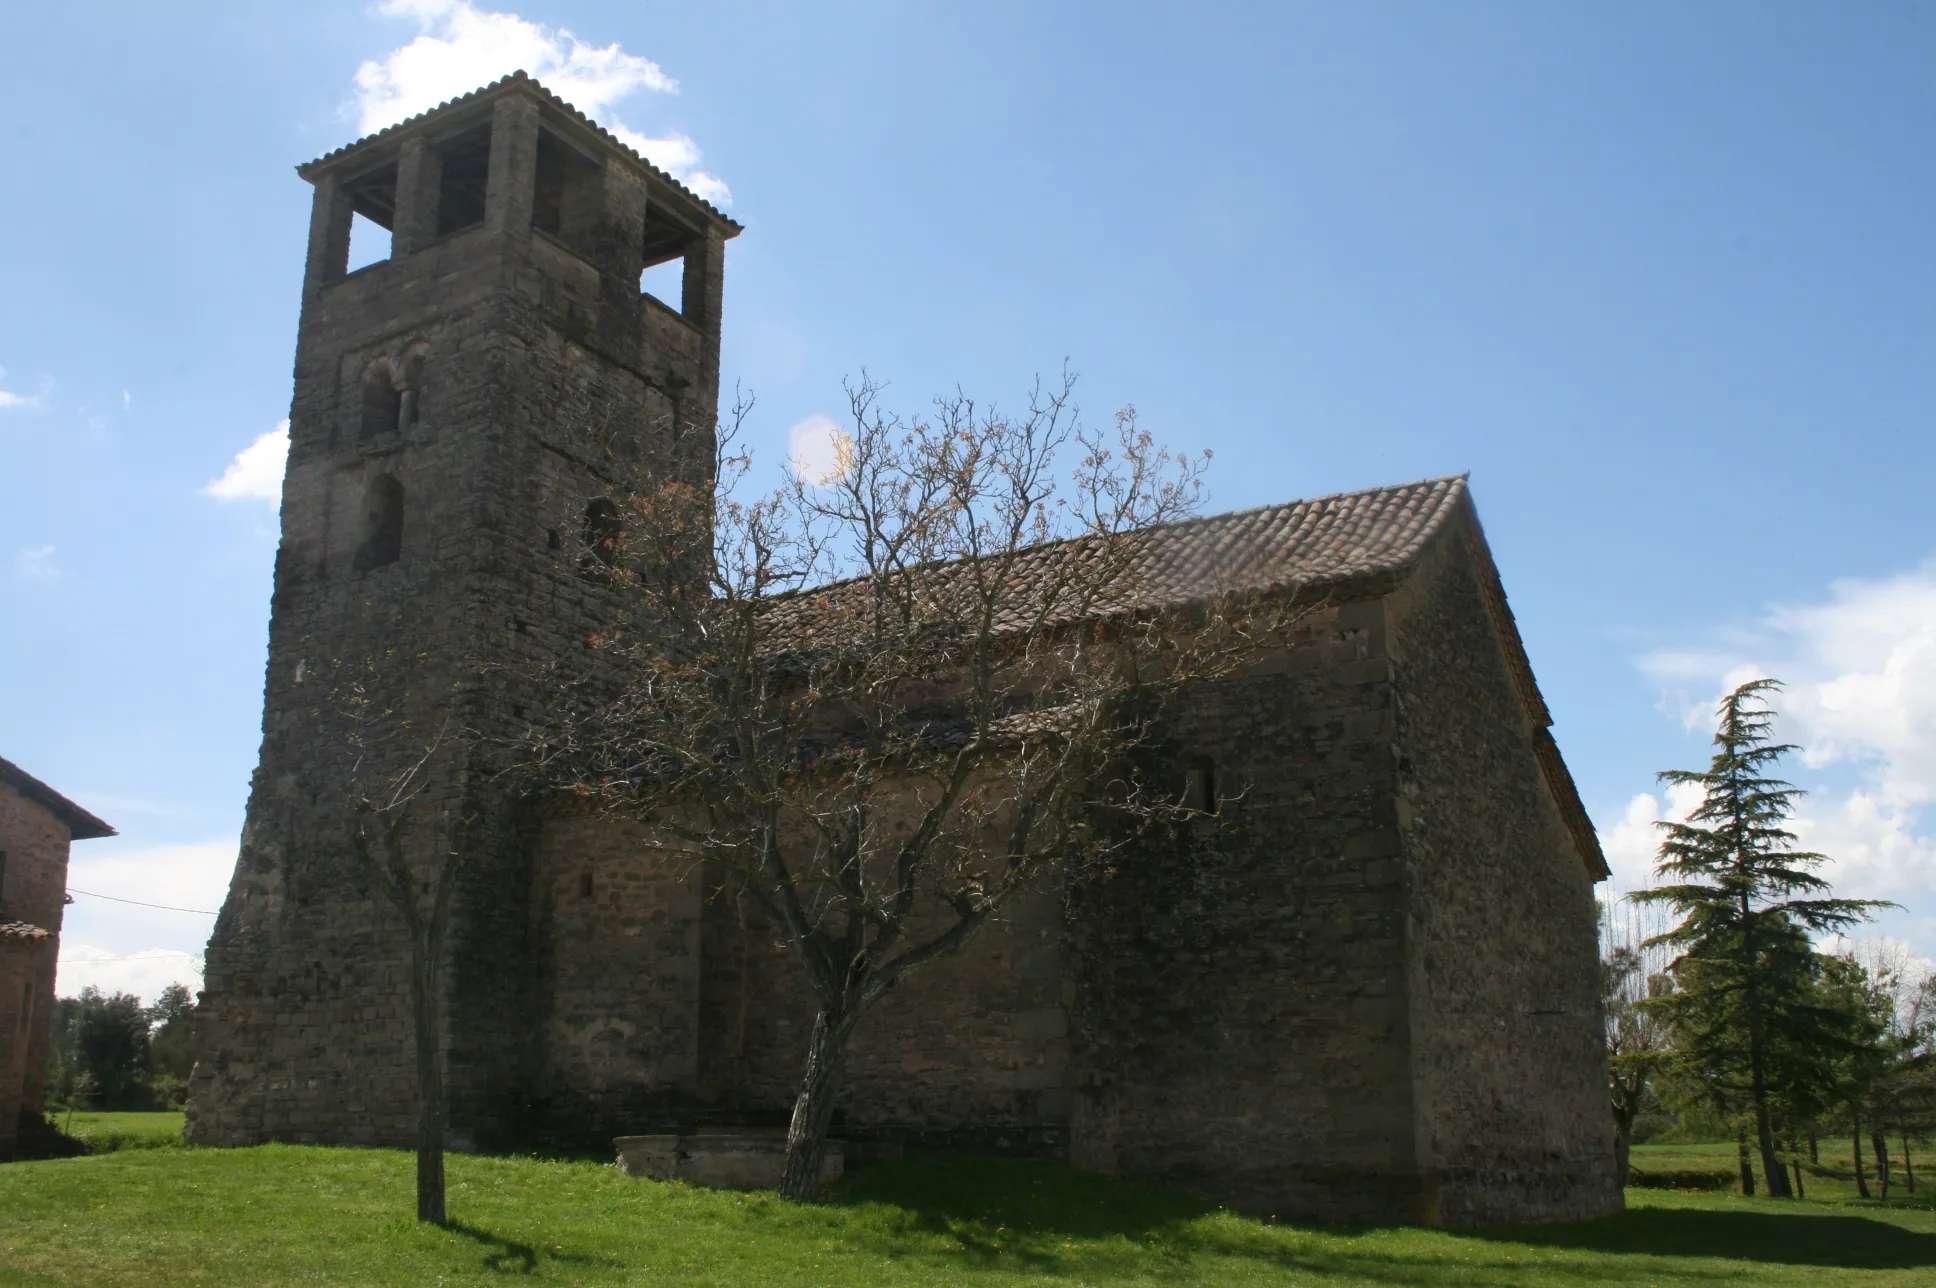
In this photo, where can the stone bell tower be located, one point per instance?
(462, 410)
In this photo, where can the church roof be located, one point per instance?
(81, 825)
(516, 81)
(1323, 542)
(1354, 542)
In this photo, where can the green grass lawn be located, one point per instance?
(296, 1215)
(1832, 1180)
(106, 1132)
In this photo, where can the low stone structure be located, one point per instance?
(1366, 990)
(37, 824)
(731, 1158)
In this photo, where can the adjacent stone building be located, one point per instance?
(1367, 990)
(36, 825)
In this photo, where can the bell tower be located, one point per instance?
(463, 411)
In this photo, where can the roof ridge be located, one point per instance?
(1220, 515)
(522, 77)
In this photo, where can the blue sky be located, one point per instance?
(1660, 276)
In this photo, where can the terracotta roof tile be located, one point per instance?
(520, 77)
(1326, 542)
(21, 930)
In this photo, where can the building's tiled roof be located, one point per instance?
(20, 930)
(1328, 543)
(1323, 542)
(81, 825)
(521, 78)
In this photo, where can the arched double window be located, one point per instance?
(380, 524)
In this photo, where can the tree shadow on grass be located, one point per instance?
(1798, 1238)
(988, 1212)
(507, 1256)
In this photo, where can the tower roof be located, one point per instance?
(560, 115)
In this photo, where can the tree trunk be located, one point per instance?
(1882, 1158)
(1771, 1168)
(813, 1110)
(1747, 1165)
(1624, 1112)
(1861, 1182)
(1814, 1151)
(431, 1112)
(1908, 1168)
(1795, 1161)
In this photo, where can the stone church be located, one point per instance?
(1376, 999)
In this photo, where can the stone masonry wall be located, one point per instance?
(667, 1001)
(1241, 1019)
(619, 978)
(1504, 959)
(33, 890)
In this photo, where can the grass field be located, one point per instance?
(107, 1132)
(296, 1215)
(1833, 1180)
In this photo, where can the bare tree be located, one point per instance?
(880, 702)
(1638, 1042)
(412, 845)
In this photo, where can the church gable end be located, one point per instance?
(1502, 950)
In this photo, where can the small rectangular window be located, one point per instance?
(663, 252)
(369, 243)
(464, 168)
(665, 282)
(374, 199)
(1200, 787)
(565, 202)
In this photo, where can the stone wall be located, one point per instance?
(1241, 1018)
(1508, 1045)
(666, 1001)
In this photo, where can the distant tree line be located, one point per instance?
(1728, 1020)
(111, 1052)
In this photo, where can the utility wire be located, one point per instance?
(203, 912)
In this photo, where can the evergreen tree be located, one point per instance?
(1746, 1012)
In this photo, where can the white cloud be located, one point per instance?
(135, 940)
(144, 973)
(256, 471)
(36, 563)
(461, 47)
(1860, 675)
(1632, 845)
(192, 875)
(10, 399)
(818, 449)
